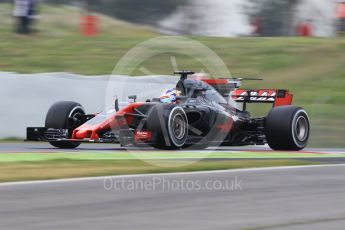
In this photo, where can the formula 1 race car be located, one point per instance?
(205, 113)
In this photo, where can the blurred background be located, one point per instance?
(217, 17)
(295, 44)
(232, 18)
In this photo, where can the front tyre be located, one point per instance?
(287, 128)
(170, 126)
(64, 115)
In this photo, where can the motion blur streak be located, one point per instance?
(209, 17)
(233, 17)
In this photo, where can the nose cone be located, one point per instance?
(82, 134)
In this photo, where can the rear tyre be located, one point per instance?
(169, 124)
(287, 128)
(64, 115)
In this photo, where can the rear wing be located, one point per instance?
(278, 97)
(230, 88)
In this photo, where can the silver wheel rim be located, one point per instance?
(178, 126)
(301, 128)
(178, 135)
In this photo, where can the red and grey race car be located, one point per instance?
(206, 113)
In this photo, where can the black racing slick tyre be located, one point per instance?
(169, 125)
(287, 128)
(60, 116)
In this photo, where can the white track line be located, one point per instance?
(80, 179)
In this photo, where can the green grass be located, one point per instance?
(39, 166)
(312, 68)
(58, 46)
(157, 155)
(55, 169)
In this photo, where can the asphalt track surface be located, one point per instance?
(37, 147)
(277, 198)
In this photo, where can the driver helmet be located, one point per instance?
(169, 96)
